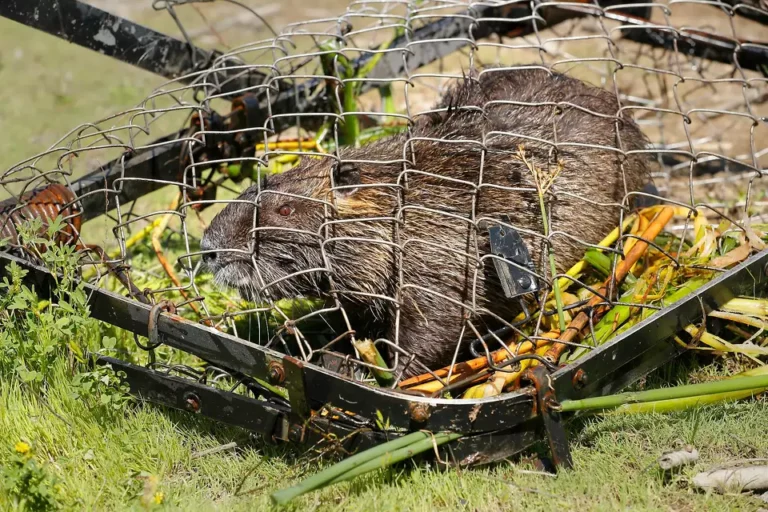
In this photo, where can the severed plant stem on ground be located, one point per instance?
(380, 456)
(734, 384)
(680, 404)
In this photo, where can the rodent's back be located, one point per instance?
(474, 163)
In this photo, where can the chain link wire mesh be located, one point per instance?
(347, 251)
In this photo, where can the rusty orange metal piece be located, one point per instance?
(45, 203)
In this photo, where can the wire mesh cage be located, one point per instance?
(383, 209)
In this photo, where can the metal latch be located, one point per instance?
(516, 271)
(549, 410)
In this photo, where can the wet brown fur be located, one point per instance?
(446, 274)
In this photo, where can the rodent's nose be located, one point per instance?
(209, 258)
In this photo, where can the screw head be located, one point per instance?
(419, 411)
(295, 433)
(275, 373)
(192, 402)
(580, 379)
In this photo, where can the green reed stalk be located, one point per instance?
(691, 390)
(323, 478)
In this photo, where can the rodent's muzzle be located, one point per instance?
(210, 253)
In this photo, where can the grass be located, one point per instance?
(49, 87)
(103, 463)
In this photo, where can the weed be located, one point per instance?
(37, 334)
(27, 485)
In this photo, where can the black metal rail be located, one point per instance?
(129, 42)
(259, 416)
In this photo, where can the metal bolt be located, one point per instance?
(580, 379)
(276, 373)
(192, 402)
(295, 433)
(524, 281)
(419, 411)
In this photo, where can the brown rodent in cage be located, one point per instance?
(396, 227)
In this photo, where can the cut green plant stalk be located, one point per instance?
(542, 187)
(323, 477)
(603, 264)
(370, 354)
(352, 463)
(691, 390)
(553, 269)
(599, 261)
(387, 102)
(350, 133)
(396, 456)
(350, 127)
(680, 404)
(610, 325)
(351, 122)
(686, 289)
(606, 242)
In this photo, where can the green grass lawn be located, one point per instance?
(103, 463)
(143, 456)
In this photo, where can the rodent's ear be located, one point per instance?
(346, 174)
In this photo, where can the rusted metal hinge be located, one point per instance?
(549, 410)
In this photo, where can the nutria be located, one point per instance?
(432, 193)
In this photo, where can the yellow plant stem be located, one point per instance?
(720, 345)
(498, 356)
(581, 320)
(133, 240)
(756, 307)
(640, 225)
(137, 237)
(291, 145)
(503, 379)
(741, 319)
(608, 241)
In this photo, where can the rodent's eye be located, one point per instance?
(285, 210)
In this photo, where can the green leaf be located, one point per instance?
(108, 342)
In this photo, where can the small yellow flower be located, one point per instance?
(158, 498)
(22, 448)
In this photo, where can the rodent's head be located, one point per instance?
(271, 236)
